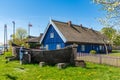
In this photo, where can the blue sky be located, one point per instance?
(39, 12)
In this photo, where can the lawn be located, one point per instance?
(115, 53)
(14, 71)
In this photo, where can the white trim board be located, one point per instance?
(57, 30)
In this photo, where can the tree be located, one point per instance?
(110, 20)
(116, 40)
(20, 37)
(112, 7)
(110, 33)
(21, 33)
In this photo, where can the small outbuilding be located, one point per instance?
(34, 42)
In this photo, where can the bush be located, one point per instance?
(34, 45)
(92, 52)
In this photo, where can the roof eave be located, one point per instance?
(85, 42)
(57, 30)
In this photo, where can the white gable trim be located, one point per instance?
(45, 32)
(57, 30)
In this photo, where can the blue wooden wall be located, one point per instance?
(89, 47)
(52, 42)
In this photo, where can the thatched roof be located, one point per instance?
(78, 33)
(71, 33)
(35, 39)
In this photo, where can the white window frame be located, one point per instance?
(47, 46)
(51, 35)
(58, 46)
(82, 47)
(100, 47)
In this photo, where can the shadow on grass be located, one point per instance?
(91, 67)
(10, 77)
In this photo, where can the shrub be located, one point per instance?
(92, 52)
(34, 45)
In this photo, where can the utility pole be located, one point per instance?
(13, 30)
(5, 37)
(29, 25)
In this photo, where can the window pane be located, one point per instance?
(51, 35)
(46, 47)
(82, 47)
(58, 46)
(100, 47)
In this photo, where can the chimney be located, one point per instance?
(69, 23)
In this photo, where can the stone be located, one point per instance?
(80, 63)
(61, 65)
(42, 64)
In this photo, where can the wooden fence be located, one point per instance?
(65, 55)
(99, 58)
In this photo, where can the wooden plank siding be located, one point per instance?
(89, 47)
(52, 42)
(65, 35)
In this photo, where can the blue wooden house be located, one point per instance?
(61, 34)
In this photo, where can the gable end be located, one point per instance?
(57, 30)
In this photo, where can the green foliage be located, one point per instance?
(20, 42)
(92, 52)
(109, 32)
(112, 8)
(112, 34)
(109, 5)
(14, 71)
(20, 38)
(34, 45)
(116, 40)
(21, 33)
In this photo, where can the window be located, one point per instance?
(58, 46)
(100, 47)
(82, 47)
(47, 47)
(52, 35)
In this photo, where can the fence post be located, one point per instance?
(29, 58)
(74, 54)
(100, 58)
(117, 61)
(75, 50)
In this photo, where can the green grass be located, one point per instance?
(14, 71)
(115, 53)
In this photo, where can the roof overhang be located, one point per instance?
(57, 30)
